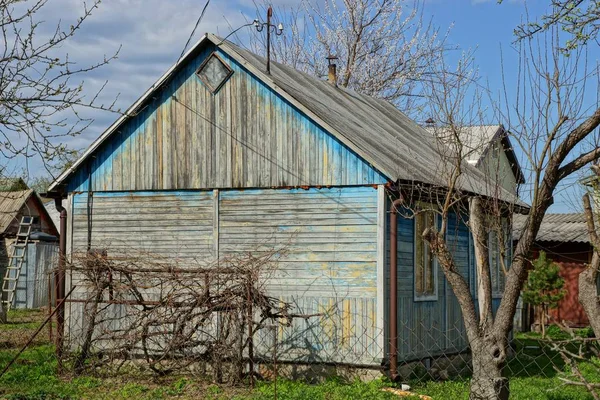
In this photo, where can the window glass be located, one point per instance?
(214, 73)
(425, 262)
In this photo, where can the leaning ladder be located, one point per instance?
(15, 262)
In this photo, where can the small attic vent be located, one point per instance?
(214, 72)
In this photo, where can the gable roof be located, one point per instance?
(12, 202)
(556, 228)
(374, 129)
(477, 141)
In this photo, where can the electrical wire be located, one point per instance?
(234, 32)
(193, 31)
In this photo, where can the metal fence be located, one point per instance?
(143, 320)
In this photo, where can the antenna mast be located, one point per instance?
(277, 29)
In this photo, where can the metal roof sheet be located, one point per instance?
(475, 139)
(556, 228)
(375, 129)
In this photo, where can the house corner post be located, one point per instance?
(59, 282)
(393, 317)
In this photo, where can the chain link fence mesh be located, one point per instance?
(221, 327)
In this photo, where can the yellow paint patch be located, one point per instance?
(346, 323)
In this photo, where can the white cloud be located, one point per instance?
(151, 34)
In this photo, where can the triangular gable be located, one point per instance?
(180, 135)
(502, 135)
(387, 142)
(11, 204)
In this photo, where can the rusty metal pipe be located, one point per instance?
(393, 317)
(59, 281)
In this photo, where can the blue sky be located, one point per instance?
(152, 34)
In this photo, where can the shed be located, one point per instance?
(212, 162)
(564, 238)
(32, 287)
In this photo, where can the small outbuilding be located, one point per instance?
(564, 238)
(16, 201)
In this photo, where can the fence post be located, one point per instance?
(275, 338)
(60, 284)
(50, 306)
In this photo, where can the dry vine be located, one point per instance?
(166, 317)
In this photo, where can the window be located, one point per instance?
(214, 72)
(425, 275)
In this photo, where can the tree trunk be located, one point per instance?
(588, 290)
(543, 320)
(588, 294)
(488, 360)
(488, 352)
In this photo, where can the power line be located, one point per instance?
(194, 30)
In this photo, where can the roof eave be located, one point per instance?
(130, 112)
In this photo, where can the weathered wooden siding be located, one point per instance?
(243, 136)
(428, 328)
(32, 288)
(497, 167)
(332, 236)
(459, 242)
(328, 238)
(177, 225)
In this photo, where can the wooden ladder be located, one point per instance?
(15, 262)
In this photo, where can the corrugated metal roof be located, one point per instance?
(10, 204)
(375, 129)
(556, 228)
(477, 139)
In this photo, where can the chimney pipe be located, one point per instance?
(332, 77)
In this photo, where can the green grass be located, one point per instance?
(329, 390)
(530, 388)
(22, 320)
(33, 376)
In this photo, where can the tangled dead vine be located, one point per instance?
(170, 317)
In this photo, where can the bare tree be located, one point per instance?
(142, 308)
(551, 124)
(384, 48)
(41, 92)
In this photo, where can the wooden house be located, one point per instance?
(219, 156)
